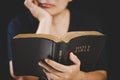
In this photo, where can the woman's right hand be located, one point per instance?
(36, 10)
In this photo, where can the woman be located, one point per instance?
(54, 17)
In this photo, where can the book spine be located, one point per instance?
(63, 53)
(60, 53)
(55, 51)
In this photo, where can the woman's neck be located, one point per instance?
(60, 24)
(61, 18)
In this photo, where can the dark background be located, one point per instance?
(104, 11)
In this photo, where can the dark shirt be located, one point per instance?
(79, 21)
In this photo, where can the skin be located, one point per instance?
(52, 22)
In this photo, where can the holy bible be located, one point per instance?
(29, 49)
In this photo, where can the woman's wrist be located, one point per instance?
(44, 25)
(45, 17)
(81, 75)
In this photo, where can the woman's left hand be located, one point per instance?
(57, 71)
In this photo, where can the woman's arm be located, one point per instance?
(58, 71)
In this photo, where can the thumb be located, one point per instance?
(74, 59)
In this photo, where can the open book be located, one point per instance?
(29, 49)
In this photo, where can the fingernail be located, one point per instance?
(46, 60)
(39, 63)
(72, 53)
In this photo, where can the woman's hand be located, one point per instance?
(36, 10)
(58, 71)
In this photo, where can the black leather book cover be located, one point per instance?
(27, 52)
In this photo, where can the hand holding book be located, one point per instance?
(57, 70)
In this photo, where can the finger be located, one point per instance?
(51, 76)
(50, 69)
(36, 2)
(56, 65)
(35, 9)
(32, 5)
(29, 4)
(74, 59)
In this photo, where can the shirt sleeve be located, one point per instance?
(9, 38)
(19, 24)
(11, 32)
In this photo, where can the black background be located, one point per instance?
(104, 11)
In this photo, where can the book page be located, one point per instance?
(66, 38)
(46, 36)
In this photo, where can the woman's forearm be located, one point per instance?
(94, 75)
